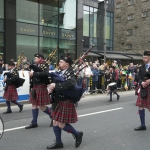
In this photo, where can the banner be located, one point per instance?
(23, 91)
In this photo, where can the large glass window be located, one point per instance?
(89, 26)
(49, 13)
(109, 30)
(1, 9)
(28, 44)
(86, 21)
(27, 11)
(47, 45)
(67, 14)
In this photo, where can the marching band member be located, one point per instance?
(144, 101)
(10, 93)
(65, 112)
(39, 94)
(113, 79)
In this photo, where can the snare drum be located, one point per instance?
(112, 86)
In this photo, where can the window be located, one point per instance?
(118, 19)
(28, 44)
(27, 11)
(89, 26)
(130, 32)
(129, 46)
(145, 14)
(130, 17)
(1, 9)
(119, 5)
(130, 2)
(49, 14)
(67, 14)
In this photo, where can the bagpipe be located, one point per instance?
(18, 82)
(44, 66)
(76, 92)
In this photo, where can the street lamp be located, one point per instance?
(105, 7)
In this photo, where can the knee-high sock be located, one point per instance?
(110, 96)
(8, 105)
(48, 111)
(15, 102)
(68, 128)
(35, 113)
(57, 132)
(142, 117)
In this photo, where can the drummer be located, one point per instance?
(113, 79)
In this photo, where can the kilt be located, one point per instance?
(65, 112)
(144, 102)
(42, 97)
(10, 93)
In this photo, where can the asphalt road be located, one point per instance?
(106, 126)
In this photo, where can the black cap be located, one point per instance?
(39, 55)
(11, 64)
(67, 59)
(146, 53)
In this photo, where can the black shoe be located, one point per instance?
(55, 146)
(78, 139)
(21, 108)
(51, 124)
(31, 126)
(140, 128)
(110, 101)
(118, 97)
(7, 112)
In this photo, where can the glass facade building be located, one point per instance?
(38, 26)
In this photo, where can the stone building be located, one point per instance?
(132, 25)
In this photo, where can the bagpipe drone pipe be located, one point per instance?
(76, 92)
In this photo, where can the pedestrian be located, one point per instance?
(65, 112)
(143, 99)
(39, 94)
(10, 93)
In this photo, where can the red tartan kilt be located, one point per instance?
(42, 97)
(11, 93)
(144, 102)
(65, 112)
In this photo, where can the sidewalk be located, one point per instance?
(85, 97)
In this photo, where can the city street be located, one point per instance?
(106, 126)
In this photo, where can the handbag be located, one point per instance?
(144, 92)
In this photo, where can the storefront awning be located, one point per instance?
(136, 57)
(116, 55)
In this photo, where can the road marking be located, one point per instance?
(15, 128)
(99, 112)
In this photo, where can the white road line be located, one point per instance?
(99, 112)
(14, 128)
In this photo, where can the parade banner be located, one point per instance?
(23, 91)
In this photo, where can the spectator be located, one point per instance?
(87, 74)
(95, 72)
(2, 66)
(51, 67)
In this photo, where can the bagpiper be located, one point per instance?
(65, 112)
(143, 100)
(10, 93)
(39, 94)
